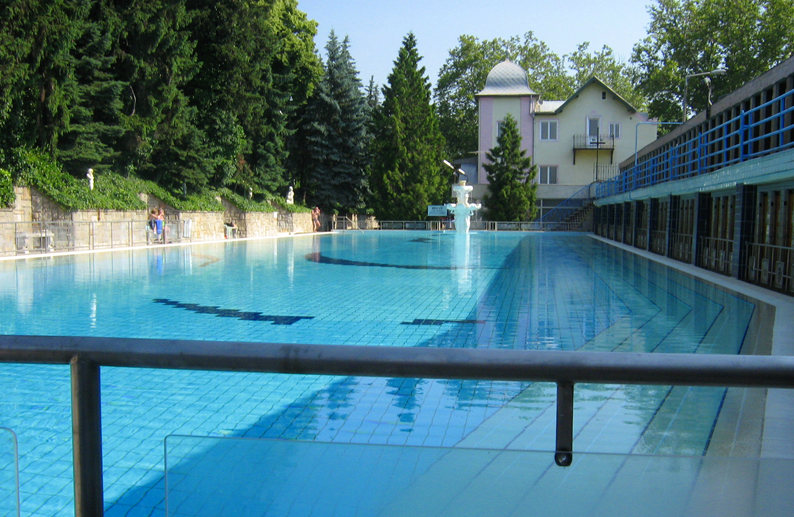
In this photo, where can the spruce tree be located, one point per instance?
(334, 135)
(91, 139)
(407, 173)
(157, 59)
(512, 191)
(37, 48)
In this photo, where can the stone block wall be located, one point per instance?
(42, 209)
(94, 229)
(204, 226)
(259, 224)
(293, 222)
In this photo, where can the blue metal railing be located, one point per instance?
(562, 212)
(752, 133)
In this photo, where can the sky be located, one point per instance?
(376, 28)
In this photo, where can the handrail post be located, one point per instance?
(86, 438)
(564, 448)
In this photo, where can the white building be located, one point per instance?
(574, 143)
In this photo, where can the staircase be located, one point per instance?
(573, 214)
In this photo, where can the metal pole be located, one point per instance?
(86, 438)
(564, 448)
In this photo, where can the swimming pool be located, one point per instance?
(534, 291)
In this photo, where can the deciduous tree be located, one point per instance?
(746, 37)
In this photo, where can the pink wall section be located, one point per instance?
(486, 135)
(527, 125)
(486, 129)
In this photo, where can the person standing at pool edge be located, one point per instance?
(316, 218)
(160, 222)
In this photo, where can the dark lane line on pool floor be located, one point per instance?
(233, 313)
(322, 259)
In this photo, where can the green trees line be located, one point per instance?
(232, 94)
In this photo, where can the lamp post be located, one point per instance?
(458, 171)
(716, 71)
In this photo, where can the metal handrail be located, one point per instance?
(560, 212)
(87, 354)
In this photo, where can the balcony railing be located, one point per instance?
(593, 142)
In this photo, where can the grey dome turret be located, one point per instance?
(507, 78)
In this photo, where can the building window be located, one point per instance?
(547, 174)
(500, 126)
(548, 130)
(614, 130)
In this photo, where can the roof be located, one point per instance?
(506, 79)
(548, 107)
(596, 80)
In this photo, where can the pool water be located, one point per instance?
(526, 291)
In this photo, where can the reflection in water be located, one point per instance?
(551, 292)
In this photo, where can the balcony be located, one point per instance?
(593, 143)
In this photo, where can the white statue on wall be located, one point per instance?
(290, 196)
(90, 177)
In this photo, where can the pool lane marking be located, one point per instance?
(424, 321)
(322, 259)
(233, 313)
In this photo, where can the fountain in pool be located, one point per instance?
(462, 210)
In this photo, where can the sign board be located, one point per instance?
(436, 211)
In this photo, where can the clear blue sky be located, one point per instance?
(376, 28)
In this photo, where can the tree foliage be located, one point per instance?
(604, 65)
(746, 37)
(332, 142)
(186, 93)
(551, 76)
(512, 191)
(407, 164)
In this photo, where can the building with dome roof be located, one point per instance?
(575, 142)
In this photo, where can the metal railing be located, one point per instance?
(770, 266)
(715, 255)
(765, 129)
(681, 247)
(565, 369)
(593, 142)
(559, 217)
(54, 236)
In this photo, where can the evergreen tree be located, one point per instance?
(511, 176)
(258, 65)
(157, 59)
(91, 139)
(37, 61)
(334, 135)
(407, 173)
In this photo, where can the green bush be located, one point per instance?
(38, 170)
(294, 208)
(245, 204)
(7, 196)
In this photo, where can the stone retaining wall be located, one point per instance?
(89, 229)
